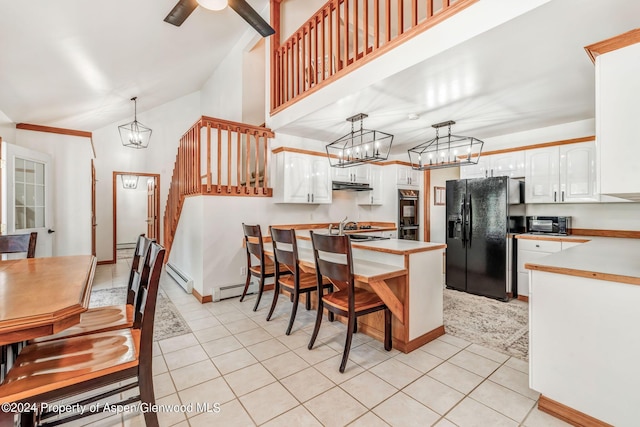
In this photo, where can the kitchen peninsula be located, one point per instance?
(583, 310)
(406, 274)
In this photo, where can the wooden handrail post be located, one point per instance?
(208, 158)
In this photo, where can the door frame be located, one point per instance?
(156, 176)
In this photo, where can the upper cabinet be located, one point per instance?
(355, 174)
(407, 176)
(301, 178)
(510, 164)
(376, 181)
(561, 174)
(617, 121)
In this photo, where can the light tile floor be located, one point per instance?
(259, 376)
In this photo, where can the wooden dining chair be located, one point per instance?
(285, 252)
(18, 243)
(255, 251)
(333, 259)
(66, 368)
(112, 317)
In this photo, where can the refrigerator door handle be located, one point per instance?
(469, 219)
(464, 223)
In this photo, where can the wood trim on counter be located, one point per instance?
(567, 414)
(523, 298)
(550, 238)
(613, 43)
(423, 339)
(584, 273)
(627, 234)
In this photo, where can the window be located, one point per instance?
(29, 194)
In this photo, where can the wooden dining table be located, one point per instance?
(43, 296)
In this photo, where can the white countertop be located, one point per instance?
(604, 258)
(394, 246)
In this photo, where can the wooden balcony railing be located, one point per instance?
(217, 157)
(343, 35)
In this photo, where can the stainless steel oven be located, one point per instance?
(549, 224)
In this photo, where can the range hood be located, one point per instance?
(351, 186)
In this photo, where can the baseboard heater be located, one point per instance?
(231, 291)
(180, 277)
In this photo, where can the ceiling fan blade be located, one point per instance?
(181, 11)
(249, 14)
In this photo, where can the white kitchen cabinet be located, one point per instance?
(561, 174)
(617, 124)
(510, 164)
(355, 174)
(578, 181)
(531, 250)
(301, 178)
(407, 176)
(376, 181)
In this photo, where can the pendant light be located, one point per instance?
(359, 146)
(447, 151)
(135, 134)
(129, 182)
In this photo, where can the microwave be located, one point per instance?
(549, 224)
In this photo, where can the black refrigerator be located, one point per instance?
(478, 226)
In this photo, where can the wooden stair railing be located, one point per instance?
(217, 157)
(343, 35)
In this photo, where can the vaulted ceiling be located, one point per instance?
(76, 63)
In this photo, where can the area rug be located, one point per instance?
(501, 326)
(168, 321)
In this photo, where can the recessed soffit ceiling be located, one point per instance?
(528, 73)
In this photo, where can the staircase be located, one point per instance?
(217, 158)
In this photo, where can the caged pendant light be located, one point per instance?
(359, 146)
(129, 182)
(135, 134)
(447, 151)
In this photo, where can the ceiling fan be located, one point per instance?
(184, 8)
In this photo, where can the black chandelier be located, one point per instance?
(135, 134)
(447, 151)
(359, 146)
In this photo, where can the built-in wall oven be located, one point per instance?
(408, 223)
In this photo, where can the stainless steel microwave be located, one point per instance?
(549, 224)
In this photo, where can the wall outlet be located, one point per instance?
(243, 271)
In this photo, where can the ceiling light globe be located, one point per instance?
(213, 4)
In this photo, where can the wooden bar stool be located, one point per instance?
(333, 259)
(70, 367)
(285, 252)
(254, 244)
(113, 317)
(18, 243)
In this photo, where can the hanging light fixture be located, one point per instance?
(129, 182)
(359, 146)
(135, 134)
(447, 151)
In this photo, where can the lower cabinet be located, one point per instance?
(531, 250)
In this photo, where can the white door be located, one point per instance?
(320, 180)
(296, 178)
(27, 190)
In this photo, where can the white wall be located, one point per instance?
(439, 178)
(71, 157)
(131, 211)
(187, 251)
(168, 123)
(254, 85)
(294, 13)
